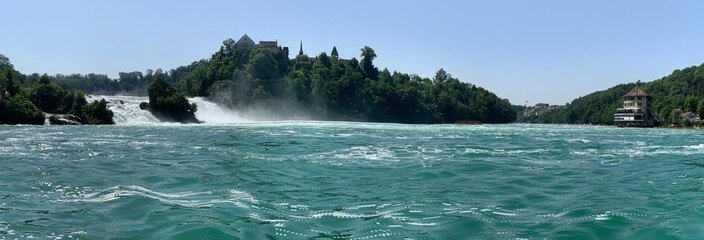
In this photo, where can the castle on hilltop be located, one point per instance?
(246, 43)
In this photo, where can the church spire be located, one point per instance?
(300, 52)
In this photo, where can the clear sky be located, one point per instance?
(541, 51)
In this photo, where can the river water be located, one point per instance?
(346, 180)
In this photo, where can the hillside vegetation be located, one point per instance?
(320, 87)
(682, 89)
(22, 103)
(328, 87)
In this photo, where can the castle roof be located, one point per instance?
(637, 92)
(244, 38)
(268, 43)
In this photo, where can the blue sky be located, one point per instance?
(541, 51)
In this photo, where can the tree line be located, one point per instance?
(334, 88)
(322, 87)
(22, 104)
(682, 90)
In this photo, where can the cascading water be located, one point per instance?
(127, 111)
(209, 112)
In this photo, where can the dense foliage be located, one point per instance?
(169, 105)
(680, 90)
(27, 106)
(19, 110)
(98, 113)
(47, 96)
(323, 87)
(332, 88)
(15, 107)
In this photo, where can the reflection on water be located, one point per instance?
(346, 180)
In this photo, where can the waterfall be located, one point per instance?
(209, 112)
(127, 111)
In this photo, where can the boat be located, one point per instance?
(466, 122)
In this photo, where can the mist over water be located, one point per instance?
(210, 112)
(127, 111)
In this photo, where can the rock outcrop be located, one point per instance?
(62, 119)
(167, 104)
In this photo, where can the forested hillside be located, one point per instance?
(320, 87)
(682, 89)
(332, 88)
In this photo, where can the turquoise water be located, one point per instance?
(343, 180)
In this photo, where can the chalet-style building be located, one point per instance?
(636, 110)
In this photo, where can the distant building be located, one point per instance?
(246, 43)
(689, 116)
(273, 46)
(636, 110)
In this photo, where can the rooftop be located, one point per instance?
(637, 92)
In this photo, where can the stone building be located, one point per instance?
(246, 43)
(636, 110)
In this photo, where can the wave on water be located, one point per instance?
(289, 219)
(184, 199)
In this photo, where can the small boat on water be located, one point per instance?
(466, 122)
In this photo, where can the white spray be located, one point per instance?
(127, 111)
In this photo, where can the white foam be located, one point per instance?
(209, 112)
(422, 224)
(127, 111)
(186, 199)
(504, 214)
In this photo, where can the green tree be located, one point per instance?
(263, 65)
(78, 102)
(47, 96)
(229, 43)
(9, 83)
(324, 60)
(169, 105)
(691, 103)
(299, 84)
(334, 52)
(5, 63)
(441, 76)
(19, 110)
(44, 79)
(97, 113)
(368, 68)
